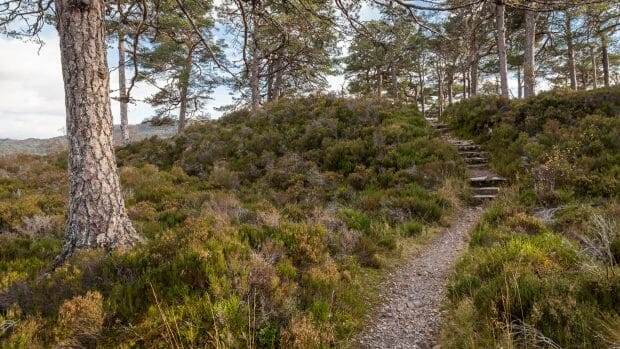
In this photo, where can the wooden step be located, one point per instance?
(486, 190)
(483, 198)
(459, 143)
(486, 181)
(477, 166)
(473, 154)
(478, 160)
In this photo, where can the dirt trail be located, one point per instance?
(410, 315)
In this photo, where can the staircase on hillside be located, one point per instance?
(484, 183)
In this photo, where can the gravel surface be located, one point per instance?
(410, 315)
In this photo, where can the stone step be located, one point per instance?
(473, 154)
(477, 160)
(486, 190)
(483, 198)
(486, 181)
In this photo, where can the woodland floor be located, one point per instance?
(409, 315)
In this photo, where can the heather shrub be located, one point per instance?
(263, 231)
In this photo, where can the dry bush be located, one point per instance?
(302, 334)
(224, 207)
(80, 320)
(39, 226)
(223, 177)
(598, 243)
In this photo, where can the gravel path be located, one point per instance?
(410, 316)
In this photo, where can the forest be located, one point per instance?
(389, 174)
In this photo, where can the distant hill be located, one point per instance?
(38, 146)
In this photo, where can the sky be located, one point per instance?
(32, 92)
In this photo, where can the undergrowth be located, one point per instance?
(542, 266)
(260, 232)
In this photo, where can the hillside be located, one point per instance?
(542, 267)
(259, 231)
(35, 146)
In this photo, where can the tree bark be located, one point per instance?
(122, 87)
(605, 53)
(572, 72)
(529, 69)
(97, 216)
(183, 91)
(501, 47)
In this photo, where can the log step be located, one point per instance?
(472, 147)
(473, 154)
(482, 198)
(486, 181)
(477, 160)
(486, 190)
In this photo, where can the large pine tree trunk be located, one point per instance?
(529, 69)
(605, 53)
(501, 47)
(97, 215)
(122, 88)
(572, 72)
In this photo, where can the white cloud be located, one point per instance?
(31, 89)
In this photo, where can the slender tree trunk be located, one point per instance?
(474, 76)
(422, 96)
(572, 72)
(594, 69)
(183, 91)
(529, 69)
(379, 82)
(501, 47)
(254, 77)
(122, 88)
(270, 73)
(277, 85)
(439, 90)
(96, 215)
(465, 84)
(450, 87)
(605, 52)
(519, 83)
(394, 72)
